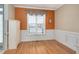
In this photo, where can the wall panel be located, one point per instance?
(50, 17)
(21, 15)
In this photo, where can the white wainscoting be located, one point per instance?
(49, 35)
(70, 39)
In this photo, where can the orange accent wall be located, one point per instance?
(21, 15)
(50, 16)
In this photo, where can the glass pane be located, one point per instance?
(33, 30)
(1, 28)
(32, 25)
(1, 9)
(40, 23)
(40, 19)
(31, 19)
(39, 30)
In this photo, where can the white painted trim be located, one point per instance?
(67, 31)
(14, 34)
(41, 8)
(34, 8)
(70, 39)
(49, 35)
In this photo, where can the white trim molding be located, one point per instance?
(49, 35)
(37, 6)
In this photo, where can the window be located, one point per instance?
(1, 27)
(36, 23)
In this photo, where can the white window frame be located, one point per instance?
(35, 33)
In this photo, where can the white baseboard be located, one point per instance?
(49, 35)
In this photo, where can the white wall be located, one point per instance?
(67, 18)
(11, 11)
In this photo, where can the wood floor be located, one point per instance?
(41, 47)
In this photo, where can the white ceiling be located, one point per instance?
(40, 6)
